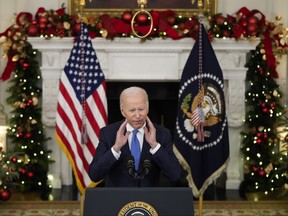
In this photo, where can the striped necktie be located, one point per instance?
(135, 149)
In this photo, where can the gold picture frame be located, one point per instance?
(117, 7)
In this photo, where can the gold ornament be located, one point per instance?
(260, 128)
(275, 93)
(104, 33)
(15, 58)
(269, 168)
(35, 101)
(33, 121)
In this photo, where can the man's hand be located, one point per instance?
(121, 138)
(150, 135)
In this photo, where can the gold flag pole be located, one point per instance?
(200, 7)
(82, 4)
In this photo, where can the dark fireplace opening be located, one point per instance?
(162, 101)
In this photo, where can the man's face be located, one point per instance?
(135, 110)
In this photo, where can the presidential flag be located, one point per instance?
(201, 135)
(82, 107)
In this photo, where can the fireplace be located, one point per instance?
(155, 65)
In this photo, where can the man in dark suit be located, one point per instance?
(113, 161)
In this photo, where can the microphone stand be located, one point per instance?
(138, 176)
(145, 171)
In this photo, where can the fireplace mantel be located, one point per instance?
(127, 59)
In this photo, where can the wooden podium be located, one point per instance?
(143, 201)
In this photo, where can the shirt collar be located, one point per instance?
(130, 128)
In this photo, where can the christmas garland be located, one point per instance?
(245, 24)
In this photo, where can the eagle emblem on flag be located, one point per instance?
(206, 107)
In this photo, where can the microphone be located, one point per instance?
(146, 166)
(131, 165)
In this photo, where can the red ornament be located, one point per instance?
(25, 65)
(14, 159)
(259, 134)
(22, 171)
(30, 174)
(196, 27)
(99, 25)
(77, 28)
(32, 30)
(261, 172)
(259, 141)
(59, 25)
(91, 20)
(243, 22)
(28, 135)
(142, 19)
(127, 16)
(254, 169)
(225, 33)
(5, 194)
(252, 29)
(30, 101)
(265, 110)
(181, 26)
(171, 20)
(261, 72)
(219, 20)
(33, 22)
(42, 20)
(42, 25)
(253, 20)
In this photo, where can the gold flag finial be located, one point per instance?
(142, 3)
(82, 5)
(200, 4)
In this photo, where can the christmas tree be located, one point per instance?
(263, 161)
(26, 132)
(8, 173)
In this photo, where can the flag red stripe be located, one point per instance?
(66, 144)
(100, 104)
(67, 120)
(70, 127)
(70, 103)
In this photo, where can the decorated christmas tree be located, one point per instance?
(26, 132)
(8, 174)
(263, 160)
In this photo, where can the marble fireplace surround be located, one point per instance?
(129, 60)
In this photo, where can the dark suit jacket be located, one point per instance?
(115, 172)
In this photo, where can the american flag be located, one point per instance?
(197, 117)
(82, 107)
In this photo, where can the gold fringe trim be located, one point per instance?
(198, 192)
